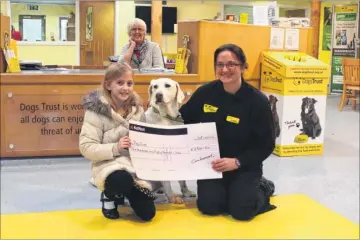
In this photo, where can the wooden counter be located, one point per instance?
(41, 113)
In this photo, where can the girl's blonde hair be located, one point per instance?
(113, 72)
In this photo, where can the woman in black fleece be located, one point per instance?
(246, 138)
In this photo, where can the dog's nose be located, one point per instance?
(159, 97)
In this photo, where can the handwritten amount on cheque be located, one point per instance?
(168, 151)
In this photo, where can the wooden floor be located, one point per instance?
(297, 216)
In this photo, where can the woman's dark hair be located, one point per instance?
(239, 53)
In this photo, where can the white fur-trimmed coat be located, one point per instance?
(101, 130)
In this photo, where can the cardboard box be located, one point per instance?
(296, 86)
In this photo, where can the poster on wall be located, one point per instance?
(326, 43)
(344, 35)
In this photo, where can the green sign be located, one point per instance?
(346, 17)
(326, 43)
(344, 34)
(337, 75)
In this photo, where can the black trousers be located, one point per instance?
(122, 183)
(237, 193)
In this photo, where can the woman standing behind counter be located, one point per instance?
(139, 52)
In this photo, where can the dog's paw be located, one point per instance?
(177, 200)
(189, 193)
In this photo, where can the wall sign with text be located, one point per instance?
(42, 122)
(344, 34)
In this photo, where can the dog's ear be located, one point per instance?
(179, 94)
(276, 99)
(150, 90)
(314, 100)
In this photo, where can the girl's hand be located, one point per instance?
(224, 164)
(123, 143)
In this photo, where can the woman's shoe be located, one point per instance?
(109, 207)
(267, 186)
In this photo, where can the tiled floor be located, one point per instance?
(332, 179)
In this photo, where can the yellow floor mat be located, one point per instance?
(297, 216)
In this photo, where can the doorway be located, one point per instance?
(97, 27)
(297, 13)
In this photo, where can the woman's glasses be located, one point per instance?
(137, 29)
(229, 65)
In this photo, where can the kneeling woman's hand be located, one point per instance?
(123, 143)
(224, 164)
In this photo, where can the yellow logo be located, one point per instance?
(233, 119)
(301, 138)
(208, 108)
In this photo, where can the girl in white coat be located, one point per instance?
(104, 141)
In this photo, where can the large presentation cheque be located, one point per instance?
(172, 153)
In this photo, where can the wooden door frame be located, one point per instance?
(77, 27)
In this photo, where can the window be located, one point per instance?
(282, 10)
(293, 12)
(32, 27)
(63, 22)
(46, 21)
(237, 10)
(146, 2)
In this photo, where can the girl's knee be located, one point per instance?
(119, 182)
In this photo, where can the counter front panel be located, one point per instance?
(46, 119)
(38, 120)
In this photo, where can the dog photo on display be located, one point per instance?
(309, 118)
(273, 101)
(165, 98)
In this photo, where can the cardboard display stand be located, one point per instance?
(296, 86)
(10, 54)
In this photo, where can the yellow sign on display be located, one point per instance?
(10, 53)
(296, 86)
(180, 64)
(244, 18)
(295, 64)
(275, 83)
(182, 57)
(346, 8)
(298, 150)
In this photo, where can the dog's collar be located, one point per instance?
(178, 118)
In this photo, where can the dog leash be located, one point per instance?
(176, 119)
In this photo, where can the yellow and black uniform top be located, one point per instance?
(244, 122)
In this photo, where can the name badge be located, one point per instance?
(209, 108)
(233, 119)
